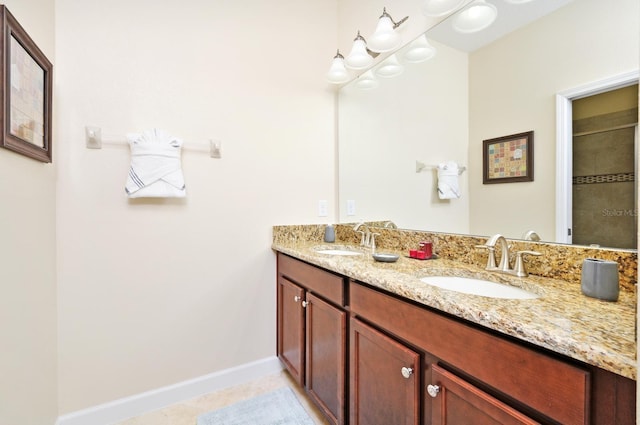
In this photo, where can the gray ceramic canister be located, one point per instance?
(329, 233)
(600, 279)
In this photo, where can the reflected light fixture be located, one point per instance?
(367, 81)
(477, 16)
(385, 38)
(419, 50)
(435, 8)
(359, 58)
(390, 67)
(337, 72)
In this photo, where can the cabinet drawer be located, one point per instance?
(550, 386)
(316, 280)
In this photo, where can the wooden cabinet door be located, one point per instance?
(385, 379)
(457, 402)
(291, 328)
(326, 357)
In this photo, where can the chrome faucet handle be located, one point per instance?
(519, 269)
(361, 237)
(372, 242)
(491, 259)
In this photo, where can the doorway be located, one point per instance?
(604, 169)
(564, 153)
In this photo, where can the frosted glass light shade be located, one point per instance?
(390, 67)
(367, 81)
(359, 58)
(419, 50)
(440, 7)
(475, 17)
(385, 38)
(337, 74)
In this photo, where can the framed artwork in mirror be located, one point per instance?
(508, 159)
(25, 101)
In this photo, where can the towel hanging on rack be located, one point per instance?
(155, 170)
(448, 185)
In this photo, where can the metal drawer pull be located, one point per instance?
(433, 390)
(296, 298)
(407, 372)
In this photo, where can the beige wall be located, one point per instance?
(521, 75)
(28, 381)
(155, 292)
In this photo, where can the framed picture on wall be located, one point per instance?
(25, 102)
(508, 159)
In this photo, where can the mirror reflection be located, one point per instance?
(442, 109)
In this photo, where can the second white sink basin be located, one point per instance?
(479, 287)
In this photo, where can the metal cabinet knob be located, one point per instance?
(407, 372)
(296, 298)
(433, 390)
(305, 303)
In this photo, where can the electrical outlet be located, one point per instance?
(323, 208)
(351, 207)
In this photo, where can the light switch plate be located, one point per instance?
(323, 208)
(351, 207)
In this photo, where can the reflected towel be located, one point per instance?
(448, 185)
(155, 170)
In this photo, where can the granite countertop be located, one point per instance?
(562, 319)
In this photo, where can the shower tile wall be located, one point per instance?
(604, 204)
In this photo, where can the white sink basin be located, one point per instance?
(337, 251)
(479, 287)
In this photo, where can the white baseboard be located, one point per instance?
(124, 408)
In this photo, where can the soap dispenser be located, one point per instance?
(329, 233)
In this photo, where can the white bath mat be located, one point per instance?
(279, 407)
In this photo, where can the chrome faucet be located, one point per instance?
(505, 266)
(368, 239)
(366, 233)
(531, 235)
(390, 225)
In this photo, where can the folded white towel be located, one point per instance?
(155, 170)
(448, 185)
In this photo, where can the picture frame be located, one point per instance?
(26, 97)
(508, 159)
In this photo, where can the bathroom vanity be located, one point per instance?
(372, 345)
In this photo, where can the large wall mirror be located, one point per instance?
(393, 136)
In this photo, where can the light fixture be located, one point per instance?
(359, 58)
(385, 38)
(390, 67)
(337, 72)
(477, 16)
(367, 81)
(419, 50)
(437, 8)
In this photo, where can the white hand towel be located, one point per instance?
(155, 166)
(448, 185)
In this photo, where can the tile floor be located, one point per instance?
(187, 412)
